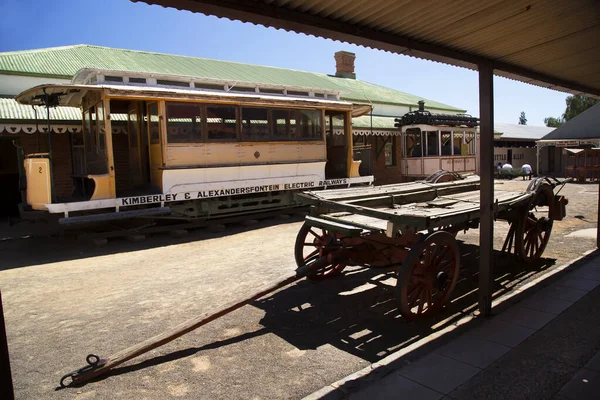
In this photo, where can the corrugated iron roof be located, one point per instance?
(521, 132)
(10, 109)
(547, 43)
(584, 126)
(64, 62)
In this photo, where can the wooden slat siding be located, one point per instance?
(121, 156)
(61, 162)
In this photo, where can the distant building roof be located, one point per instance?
(521, 132)
(64, 62)
(584, 126)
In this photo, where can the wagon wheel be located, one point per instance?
(428, 276)
(534, 227)
(314, 243)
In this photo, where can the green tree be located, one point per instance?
(576, 105)
(522, 119)
(553, 122)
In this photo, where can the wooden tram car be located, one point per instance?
(433, 142)
(194, 149)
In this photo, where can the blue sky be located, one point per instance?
(30, 24)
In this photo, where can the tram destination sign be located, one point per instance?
(232, 191)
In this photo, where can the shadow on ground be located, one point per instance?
(357, 312)
(71, 245)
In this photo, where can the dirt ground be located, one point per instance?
(64, 299)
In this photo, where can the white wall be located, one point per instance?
(15, 84)
(520, 156)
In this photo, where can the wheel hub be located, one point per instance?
(441, 280)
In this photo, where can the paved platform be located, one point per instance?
(542, 343)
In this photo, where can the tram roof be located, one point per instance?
(72, 95)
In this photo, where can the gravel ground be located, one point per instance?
(64, 299)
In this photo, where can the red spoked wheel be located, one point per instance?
(535, 225)
(313, 244)
(428, 276)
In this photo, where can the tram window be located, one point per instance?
(281, 124)
(132, 128)
(305, 125)
(184, 123)
(255, 124)
(334, 128)
(90, 140)
(153, 124)
(412, 144)
(222, 123)
(432, 143)
(101, 132)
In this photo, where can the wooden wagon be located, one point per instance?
(412, 227)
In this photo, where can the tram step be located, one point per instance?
(112, 216)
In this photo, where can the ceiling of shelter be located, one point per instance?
(548, 43)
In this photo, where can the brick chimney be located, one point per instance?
(344, 64)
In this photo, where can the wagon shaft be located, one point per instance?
(98, 366)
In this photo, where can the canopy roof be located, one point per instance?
(521, 132)
(584, 126)
(547, 43)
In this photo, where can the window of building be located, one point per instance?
(359, 140)
(184, 122)
(172, 83)
(389, 152)
(221, 123)
(255, 124)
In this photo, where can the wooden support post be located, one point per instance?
(349, 144)
(486, 231)
(6, 385)
(109, 145)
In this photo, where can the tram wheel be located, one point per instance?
(313, 244)
(428, 276)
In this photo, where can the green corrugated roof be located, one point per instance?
(10, 109)
(376, 122)
(64, 62)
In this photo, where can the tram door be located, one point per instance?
(337, 146)
(154, 144)
(135, 147)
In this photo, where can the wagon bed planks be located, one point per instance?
(442, 210)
